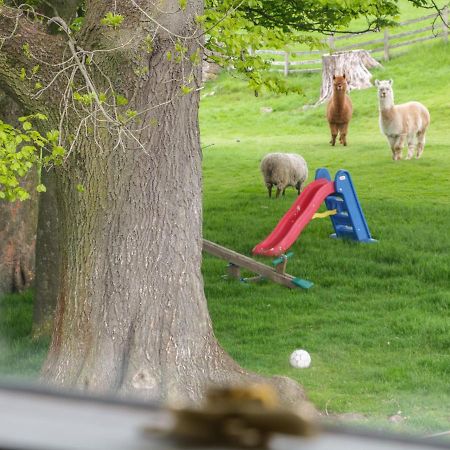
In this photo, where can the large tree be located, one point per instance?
(123, 93)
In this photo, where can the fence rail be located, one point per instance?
(294, 61)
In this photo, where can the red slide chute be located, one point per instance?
(295, 220)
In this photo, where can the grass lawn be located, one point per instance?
(20, 354)
(377, 321)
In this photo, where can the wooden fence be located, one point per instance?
(381, 47)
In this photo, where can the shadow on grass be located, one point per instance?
(21, 355)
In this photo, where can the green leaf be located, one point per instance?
(17, 159)
(28, 149)
(121, 100)
(148, 43)
(23, 195)
(76, 24)
(195, 58)
(131, 113)
(41, 188)
(186, 89)
(85, 99)
(52, 135)
(80, 188)
(26, 50)
(112, 20)
(58, 151)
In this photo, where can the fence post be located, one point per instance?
(331, 43)
(286, 64)
(445, 24)
(386, 44)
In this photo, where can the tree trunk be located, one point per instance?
(131, 315)
(354, 63)
(18, 237)
(18, 223)
(47, 246)
(48, 261)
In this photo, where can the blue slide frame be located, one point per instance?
(349, 221)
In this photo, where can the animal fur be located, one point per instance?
(339, 110)
(283, 170)
(408, 121)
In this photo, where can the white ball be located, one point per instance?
(300, 359)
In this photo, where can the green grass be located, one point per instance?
(20, 354)
(377, 320)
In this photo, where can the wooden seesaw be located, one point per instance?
(236, 261)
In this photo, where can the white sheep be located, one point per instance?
(282, 170)
(408, 120)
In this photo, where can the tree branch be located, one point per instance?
(320, 17)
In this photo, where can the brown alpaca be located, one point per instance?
(339, 110)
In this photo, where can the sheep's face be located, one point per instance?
(298, 186)
(384, 88)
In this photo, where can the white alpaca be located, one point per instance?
(397, 122)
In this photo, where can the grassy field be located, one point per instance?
(20, 354)
(377, 321)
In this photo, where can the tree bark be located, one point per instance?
(132, 315)
(67, 9)
(354, 63)
(48, 253)
(18, 223)
(48, 258)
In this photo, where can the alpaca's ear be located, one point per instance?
(343, 76)
(334, 77)
(391, 82)
(377, 83)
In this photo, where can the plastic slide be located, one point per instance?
(295, 220)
